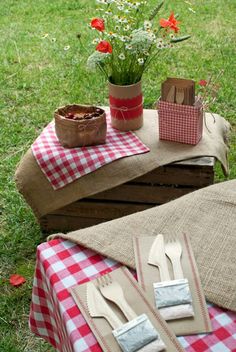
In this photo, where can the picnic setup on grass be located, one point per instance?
(140, 249)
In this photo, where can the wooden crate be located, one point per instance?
(154, 188)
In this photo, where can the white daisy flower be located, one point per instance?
(141, 61)
(160, 45)
(111, 35)
(152, 36)
(128, 47)
(67, 47)
(123, 38)
(159, 40)
(96, 41)
(45, 35)
(126, 28)
(147, 25)
(121, 56)
(123, 20)
(136, 5)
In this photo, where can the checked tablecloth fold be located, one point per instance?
(54, 315)
(62, 166)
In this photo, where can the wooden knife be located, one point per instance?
(158, 258)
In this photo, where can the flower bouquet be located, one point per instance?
(126, 42)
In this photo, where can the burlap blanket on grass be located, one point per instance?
(40, 195)
(208, 216)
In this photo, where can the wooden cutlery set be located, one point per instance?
(172, 297)
(126, 334)
(128, 316)
(179, 91)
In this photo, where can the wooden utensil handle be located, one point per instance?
(113, 320)
(164, 273)
(177, 268)
(126, 309)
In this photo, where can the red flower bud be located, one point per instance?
(98, 23)
(202, 82)
(104, 47)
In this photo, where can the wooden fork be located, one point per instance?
(173, 250)
(112, 290)
(179, 96)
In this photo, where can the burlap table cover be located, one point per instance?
(40, 195)
(208, 216)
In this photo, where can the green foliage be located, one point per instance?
(42, 67)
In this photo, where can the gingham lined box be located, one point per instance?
(180, 123)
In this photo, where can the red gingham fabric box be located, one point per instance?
(180, 123)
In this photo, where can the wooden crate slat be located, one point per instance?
(100, 210)
(177, 175)
(52, 222)
(142, 194)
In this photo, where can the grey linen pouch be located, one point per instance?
(138, 335)
(173, 299)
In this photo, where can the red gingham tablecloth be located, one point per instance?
(62, 166)
(55, 317)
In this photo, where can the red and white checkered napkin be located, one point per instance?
(62, 166)
(55, 317)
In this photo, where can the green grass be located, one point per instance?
(37, 75)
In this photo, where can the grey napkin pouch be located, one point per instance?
(173, 299)
(172, 293)
(137, 334)
(177, 312)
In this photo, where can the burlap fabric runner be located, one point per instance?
(208, 216)
(40, 195)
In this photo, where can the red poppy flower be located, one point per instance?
(104, 47)
(170, 23)
(202, 82)
(98, 23)
(16, 280)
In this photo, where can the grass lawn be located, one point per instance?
(43, 67)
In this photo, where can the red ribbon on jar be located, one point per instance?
(126, 109)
